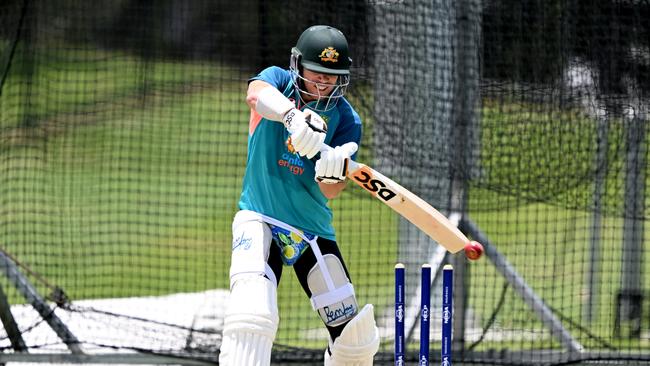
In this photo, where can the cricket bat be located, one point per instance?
(408, 205)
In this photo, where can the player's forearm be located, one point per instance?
(331, 190)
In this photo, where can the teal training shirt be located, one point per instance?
(281, 184)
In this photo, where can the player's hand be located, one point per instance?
(307, 131)
(332, 166)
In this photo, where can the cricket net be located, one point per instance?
(123, 131)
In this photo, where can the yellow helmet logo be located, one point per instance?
(329, 54)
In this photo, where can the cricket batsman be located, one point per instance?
(284, 218)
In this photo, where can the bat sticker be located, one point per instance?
(374, 185)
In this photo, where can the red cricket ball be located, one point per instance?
(473, 250)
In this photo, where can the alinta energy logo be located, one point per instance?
(292, 162)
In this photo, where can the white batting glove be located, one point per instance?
(307, 131)
(332, 166)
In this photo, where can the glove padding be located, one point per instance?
(332, 167)
(307, 131)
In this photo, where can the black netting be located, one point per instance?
(123, 130)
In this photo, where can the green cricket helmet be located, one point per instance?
(322, 49)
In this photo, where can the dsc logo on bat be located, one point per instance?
(374, 185)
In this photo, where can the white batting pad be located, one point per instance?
(358, 343)
(251, 323)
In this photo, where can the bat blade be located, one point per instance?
(409, 206)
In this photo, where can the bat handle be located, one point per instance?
(352, 165)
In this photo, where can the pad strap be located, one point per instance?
(332, 296)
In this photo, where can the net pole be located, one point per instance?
(630, 295)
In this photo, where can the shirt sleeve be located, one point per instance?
(349, 130)
(275, 76)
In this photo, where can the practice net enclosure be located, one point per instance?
(123, 142)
